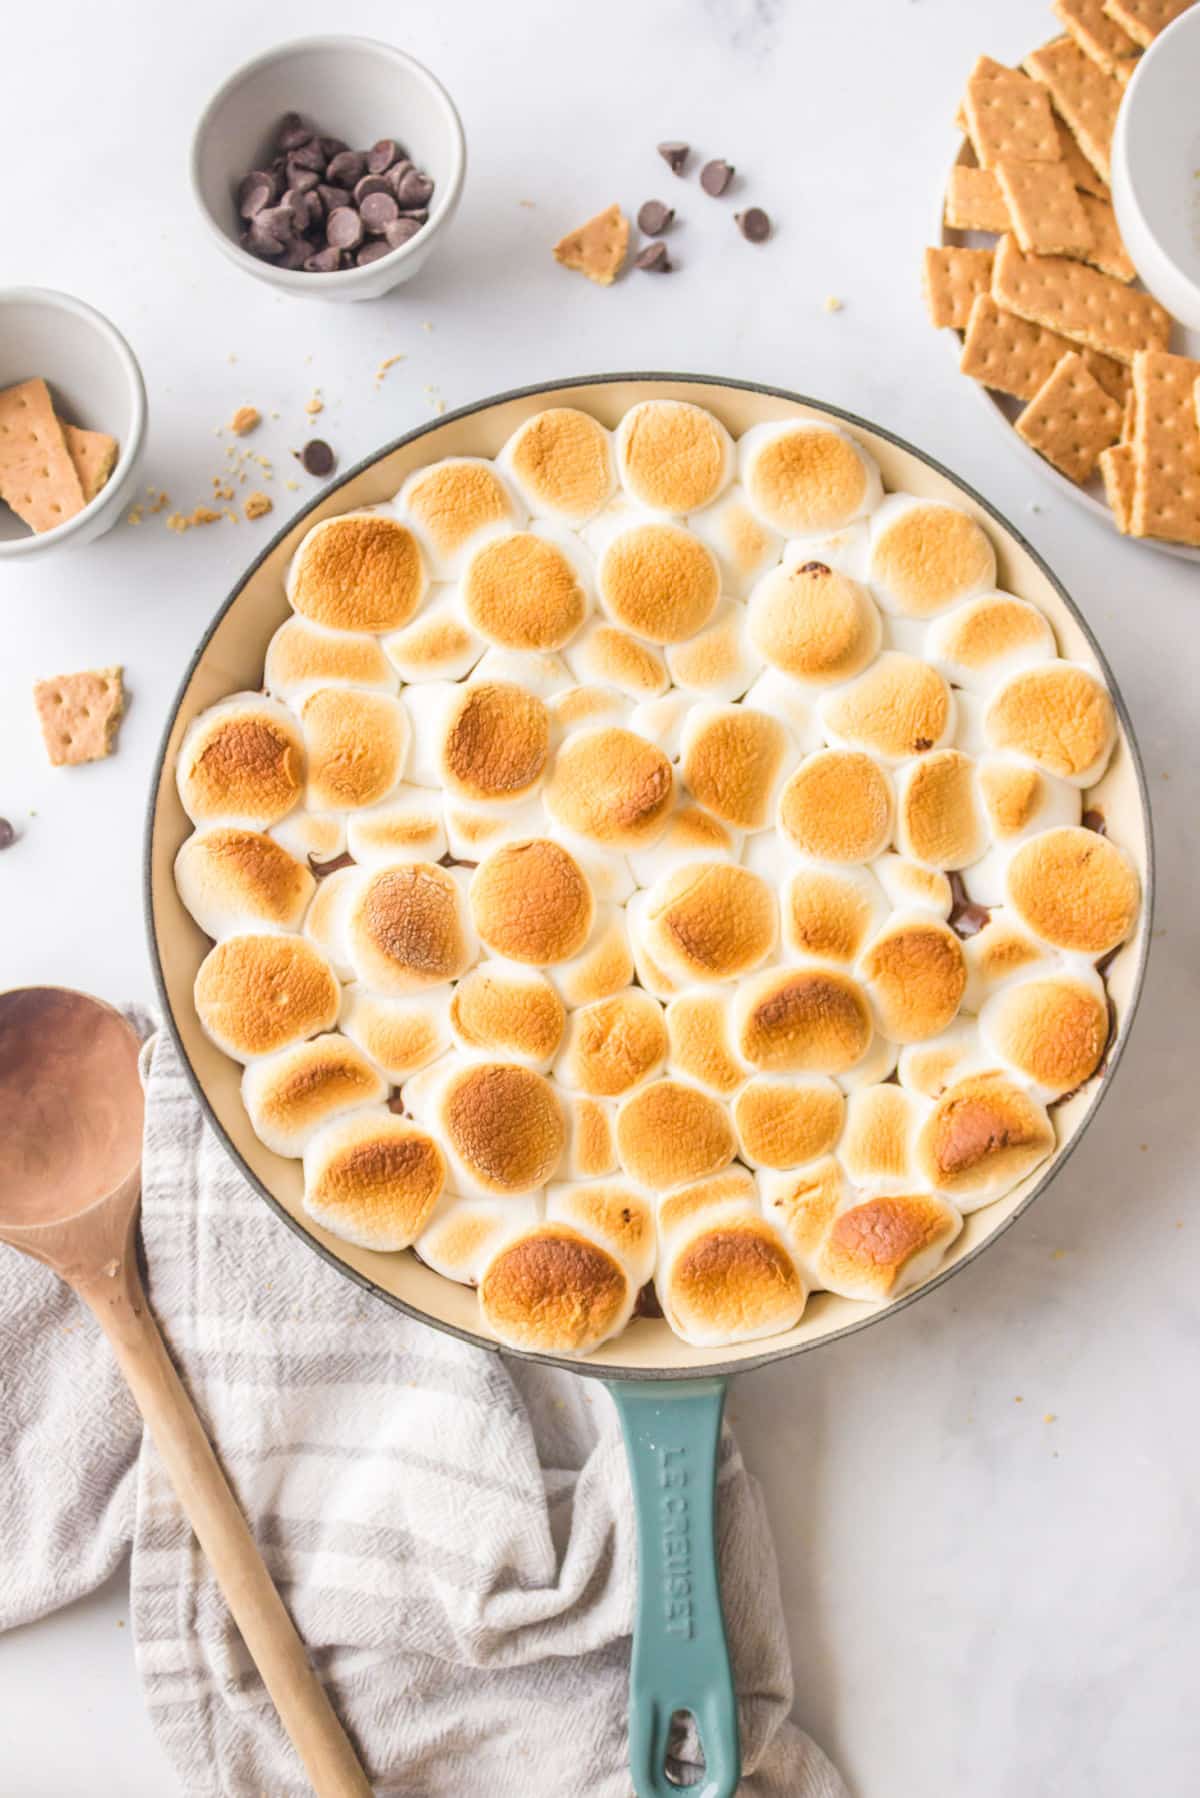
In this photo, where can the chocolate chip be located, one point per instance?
(301, 180)
(8, 835)
(675, 155)
(293, 133)
(333, 146)
(333, 866)
(343, 228)
(378, 211)
(382, 155)
(419, 213)
(347, 167)
(402, 229)
(1094, 820)
(308, 156)
(654, 257)
(275, 221)
(754, 224)
(370, 184)
(332, 197)
(654, 217)
(397, 172)
(295, 254)
(325, 262)
(317, 457)
(715, 177)
(371, 252)
(414, 188)
(966, 918)
(258, 189)
(296, 202)
(263, 243)
(815, 568)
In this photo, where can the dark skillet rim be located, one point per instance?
(710, 1370)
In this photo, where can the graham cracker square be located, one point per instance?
(1070, 419)
(1082, 304)
(79, 715)
(1166, 496)
(598, 248)
(974, 201)
(1078, 167)
(1009, 116)
(37, 476)
(1083, 95)
(952, 278)
(1117, 469)
(1047, 213)
(1144, 19)
(1106, 251)
(1098, 36)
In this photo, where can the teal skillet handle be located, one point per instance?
(680, 1656)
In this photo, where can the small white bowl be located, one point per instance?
(1156, 168)
(94, 381)
(347, 87)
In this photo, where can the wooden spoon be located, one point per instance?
(70, 1180)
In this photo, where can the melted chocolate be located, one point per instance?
(647, 1302)
(966, 918)
(1095, 820)
(321, 869)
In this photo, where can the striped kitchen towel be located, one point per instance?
(451, 1532)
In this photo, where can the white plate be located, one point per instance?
(1004, 409)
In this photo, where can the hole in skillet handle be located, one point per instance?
(680, 1658)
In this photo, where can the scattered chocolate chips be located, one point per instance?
(654, 257)
(753, 224)
(715, 177)
(966, 918)
(654, 218)
(8, 835)
(675, 155)
(318, 459)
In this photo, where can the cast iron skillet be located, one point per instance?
(669, 1395)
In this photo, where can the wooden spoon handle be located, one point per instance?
(119, 1303)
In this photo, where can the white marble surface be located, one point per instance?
(981, 1600)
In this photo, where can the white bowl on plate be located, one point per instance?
(348, 87)
(1156, 168)
(94, 381)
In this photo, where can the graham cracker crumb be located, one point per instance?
(314, 405)
(833, 304)
(257, 505)
(245, 420)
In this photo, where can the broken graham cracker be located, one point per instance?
(37, 476)
(94, 454)
(1144, 19)
(1106, 251)
(1008, 353)
(1083, 95)
(1166, 494)
(1047, 213)
(1009, 116)
(1082, 304)
(1070, 419)
(974, 201)
(1117, 467)
(952, 277)
(79, 715)
(598, 248)
(1098, 36)
(1077, 165)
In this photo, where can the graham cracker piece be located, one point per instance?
(94, 454)
(1106, 251)
(952, 278)
(598, 248)
(79, 715)
(974, 201)
(1078, 167)
(1144, 19)
(1082, 304)
(1009, 116)
(1166, 494)
(1098, 36)
(1198, 402)
(1117, 467)
(1008, 353)
(37, 475)
(1046, 212)
(1070, 419)
(1129, 417)
(1084, 96)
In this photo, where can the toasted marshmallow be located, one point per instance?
(532, 903)
(649, 973)
(302, 656)
(400, 1035)
(985, 640)
(926, 554)
(1050, 1031)
(807, 1020)
(939, 817)
(605, 654)
(257, 993)
(672, 456)
(837, 807)
(878, 1247)
(879, 1063)
(502, 1125)
(241, 762)
(291, 1095)
(661, 721)
(611, 787)
(361, 572)
(315, 837)
(591, 1150)
(612, 1213)
(730, 1194)
(783, 1123)
(815, 624)
(495, 742)
(970, 709)
(718, 662)
(669, 1134)
(802, 477)
(701, 1045)
(407, 927)
(982, 1137)
(499, 1009)
(731, 1280)
(612, 1045)
(438, 644)
(357, 745)
(802, 1204)
(828, 916)
(692, 835)
(408, 826)
(476, 831)
(780, 697)
(561, 463)
(845, 549)
(538, 671)
(916, 974)
(325, 919)
(1059, 716)
(1075, 890)
(462, 1235)
(604, 965)
(732, 759)
(451, 504)
(554, 1290)
(587, 708)
(373, 1179)
(709, 921)
(1019, 800)
(526, 589)
(912, 887)
(658, 581)
(1002, 951)
(877, 1146)
(238, 880)
(928, 1068)
(743, 545)
(899, 708)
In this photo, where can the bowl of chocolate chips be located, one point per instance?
(328, 166)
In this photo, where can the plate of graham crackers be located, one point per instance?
(1080, 365)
